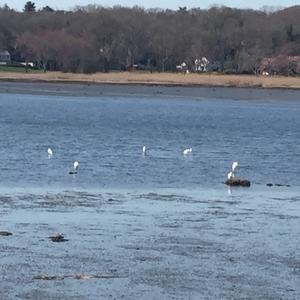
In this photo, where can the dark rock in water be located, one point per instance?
(86, 277)
(47, 277)
(58, 238)
(78, 277)
(72, 172)
(278, 184)
(5, 233)
(238, 182)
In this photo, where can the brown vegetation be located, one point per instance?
(159, 79)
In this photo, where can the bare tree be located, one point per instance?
(95, 38)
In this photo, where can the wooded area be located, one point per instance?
(94, 38)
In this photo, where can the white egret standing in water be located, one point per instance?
(76, 165)
(75, 168)
(187, 151)
(144, 149)
(50, 152)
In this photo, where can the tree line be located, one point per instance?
(94, 38)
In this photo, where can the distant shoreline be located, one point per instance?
(156, 85)
(141, 91)
(158, 79)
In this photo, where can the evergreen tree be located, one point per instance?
(29, 6)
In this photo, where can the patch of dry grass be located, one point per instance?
(160, 79)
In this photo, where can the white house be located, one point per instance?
(5, 57)
(201, 65)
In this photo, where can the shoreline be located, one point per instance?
(158, 79)
(92, 86)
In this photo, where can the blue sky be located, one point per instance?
(173, 4)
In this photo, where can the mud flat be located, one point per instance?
(146, 90)
(151, 244)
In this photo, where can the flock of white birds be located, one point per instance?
(230, 176)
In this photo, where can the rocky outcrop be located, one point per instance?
(58, 238)
(238, 182)
(5, 233)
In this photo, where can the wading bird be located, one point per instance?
(187, 151)
(234, 166)
(231, 175)
(75, 168)
(50, 152)
(232, 180)
(144, 149)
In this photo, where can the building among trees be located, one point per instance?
(5, 57)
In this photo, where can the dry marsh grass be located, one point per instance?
(159, 79)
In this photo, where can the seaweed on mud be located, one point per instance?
(231, 202)
(5, 233)
(4, 200)
(113, 201)
(170, 225)
(76, 276)
(53, 200)
(292, 263)
(148, 258)
(166, 197)
(280, 216)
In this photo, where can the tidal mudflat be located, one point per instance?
(100, 90)
(136, 245)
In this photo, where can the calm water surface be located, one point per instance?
(165, 225)
(106, 135)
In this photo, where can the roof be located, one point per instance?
(4, 52)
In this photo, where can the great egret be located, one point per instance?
(50, 152)
(76, 165)
(235, 181)
(144, 149)
(234, 166)
(75, 168)
(230, 175)
(187, 151)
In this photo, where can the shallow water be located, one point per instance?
(163, 224)
(106, 136)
